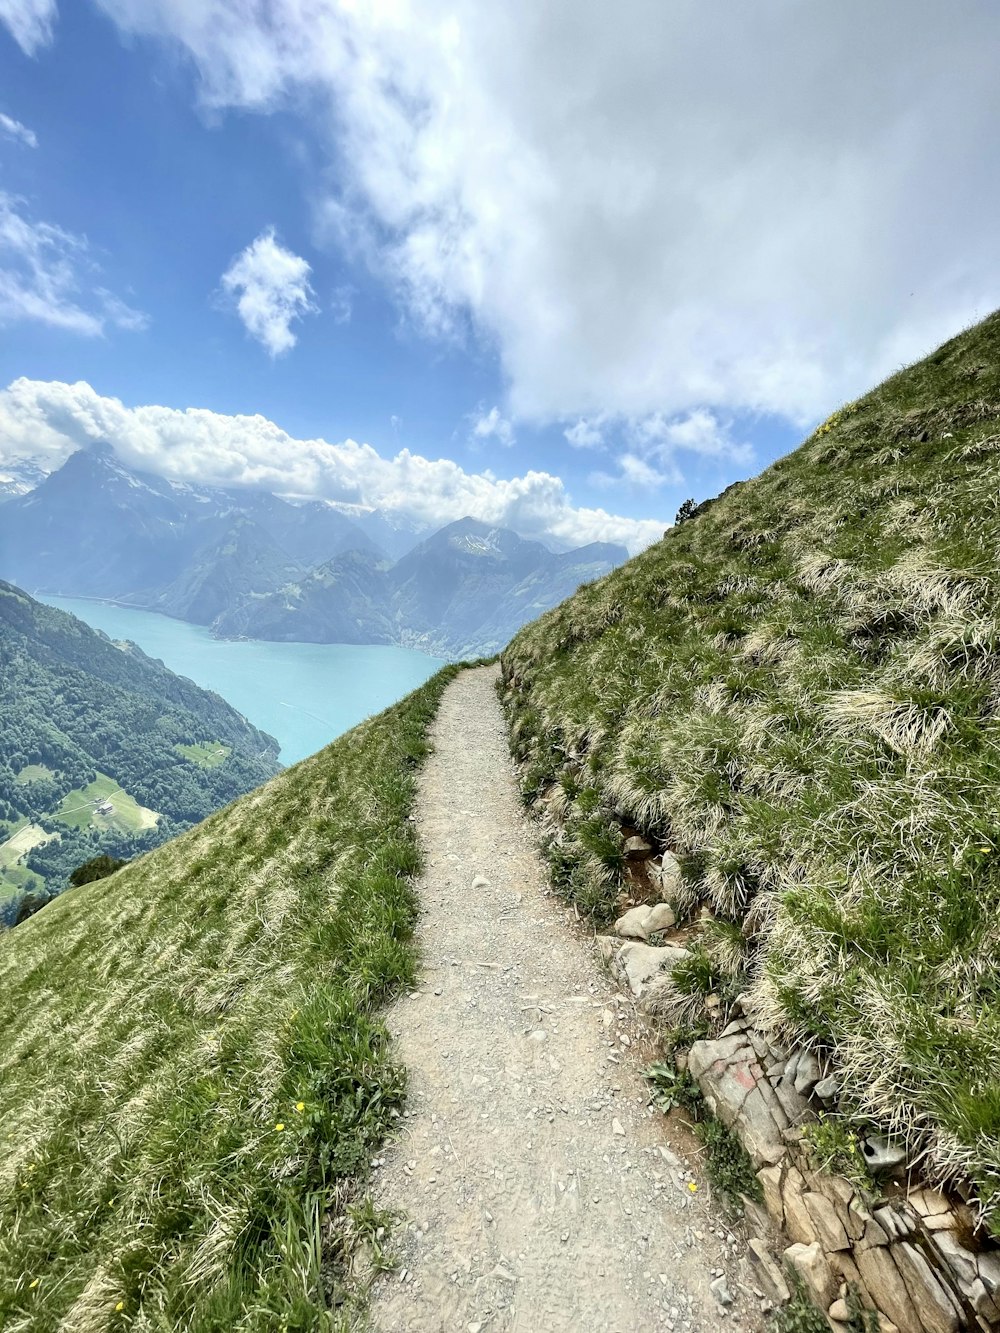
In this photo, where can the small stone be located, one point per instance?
(617, 1127)
(827, 1225)
(637, 848)
(666, 875)
(643, 963)
(480, 882)
(660, 917)
(632, 926)
(828, 1089)
(720, 1290)
(939, 1311)
(807, 1072)
(880, 1154)
(840, 1311)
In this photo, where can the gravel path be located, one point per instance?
(537, 1187)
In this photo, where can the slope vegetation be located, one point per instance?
(193, 1071)
(797, 692)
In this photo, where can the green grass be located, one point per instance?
(21, 839)
(30, 772)
(798, 692)
(194, 1067)
(206, 754)
(16, 880)
(77, 808)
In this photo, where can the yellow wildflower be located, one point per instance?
(119, 1307)
(300, 1107)
(279, 1127)
(692, 1187)
(33, 1284)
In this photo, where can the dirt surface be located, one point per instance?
(537, 1186)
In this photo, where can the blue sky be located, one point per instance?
(639, 257)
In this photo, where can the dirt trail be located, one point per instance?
(538, 1188)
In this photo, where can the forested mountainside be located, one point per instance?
(102, 749)
(249, 564)
(797, 693)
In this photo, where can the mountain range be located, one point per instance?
(246, 563)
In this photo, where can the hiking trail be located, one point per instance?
(538, 1190)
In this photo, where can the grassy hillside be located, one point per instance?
(798, 692)
(193, 1070)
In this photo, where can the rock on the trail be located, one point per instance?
(643, 963)
(720, 1290)
(637, 848)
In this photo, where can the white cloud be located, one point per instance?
(638, 475)
(585, 435)
(271, 288)
(698, 432)
(647, 208)
(30, 22)
(42, 268)
(44, 422)
(15, 130)
(492, 426)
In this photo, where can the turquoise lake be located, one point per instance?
(304, 694)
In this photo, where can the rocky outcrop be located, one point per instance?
(911, 1256)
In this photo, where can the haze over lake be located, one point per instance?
(304, 694)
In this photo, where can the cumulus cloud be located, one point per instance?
(650, 208)
(492, 426)
(270, 286)
(15, 130)
(42, 270)
(44, 422)
(30, 22)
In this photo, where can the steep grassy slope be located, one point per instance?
(798, 691)
(193, 1071)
